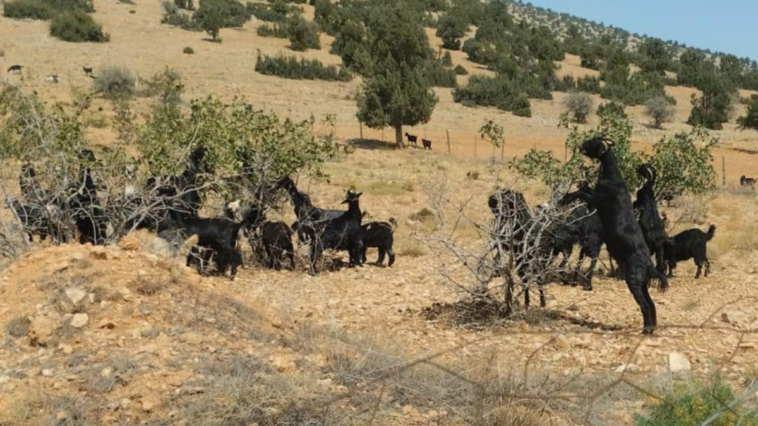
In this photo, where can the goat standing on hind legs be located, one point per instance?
(624, 238)
(653, 228)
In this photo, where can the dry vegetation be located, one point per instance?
(165, 347)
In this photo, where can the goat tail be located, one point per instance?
(663, 281)
(711, 233)
(393, 222)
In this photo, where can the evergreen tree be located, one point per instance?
(396, 91)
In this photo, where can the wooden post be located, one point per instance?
(723, 172)
(448, 142)
(361, 124)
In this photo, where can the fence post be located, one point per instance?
(448, 142)
(723, 172)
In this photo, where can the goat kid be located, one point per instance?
(690, 244)
(379, 235)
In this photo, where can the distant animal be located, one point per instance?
(381, 236)
(88, 71)
(747, 182)
(691, 244)
(427, 144)
(412, 139)
(52, 78)
(624, 239)
(15, 68)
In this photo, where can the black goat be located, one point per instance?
(276, 238)
(88, 71)
(381, 236)
(427, 144)
(650, 221)
(747, 182)
(33, 219)
(341, 233)
(412, 139)
(624, 238)
(691, 244)
(309, 217)
(218, 235)
(15, 68)
(529, 251)
(583, 227)
(91, 220)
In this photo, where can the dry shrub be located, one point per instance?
(147, 286)
(25, 407)
(18, 327)
(102, 377)
(243, 390)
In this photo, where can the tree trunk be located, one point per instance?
(399, 136)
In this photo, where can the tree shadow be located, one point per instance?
(372, 144)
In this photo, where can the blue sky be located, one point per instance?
(730, 26)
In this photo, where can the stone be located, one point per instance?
(99, 253)
(61, 416)
(106, 372)
(562, 342)
(66, 349)
(41, 329)
(47, 372)
(732, 317)
(104, 323)
(79, 320)
(130, 243)
(148, 405)
(677, 362)
(75, 295)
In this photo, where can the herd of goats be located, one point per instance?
(633, 233)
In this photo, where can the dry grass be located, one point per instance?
(242, 390)
(25, 407)
(102, 377)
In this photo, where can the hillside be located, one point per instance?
(127, 334)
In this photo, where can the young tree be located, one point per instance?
(713, 108)
(396, 95)
(750, 119)
(395, 91)
(451, 29)
(211, 20)
(655, 56)
(659, 110)
(579, 105)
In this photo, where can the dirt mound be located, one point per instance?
(95, 335)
